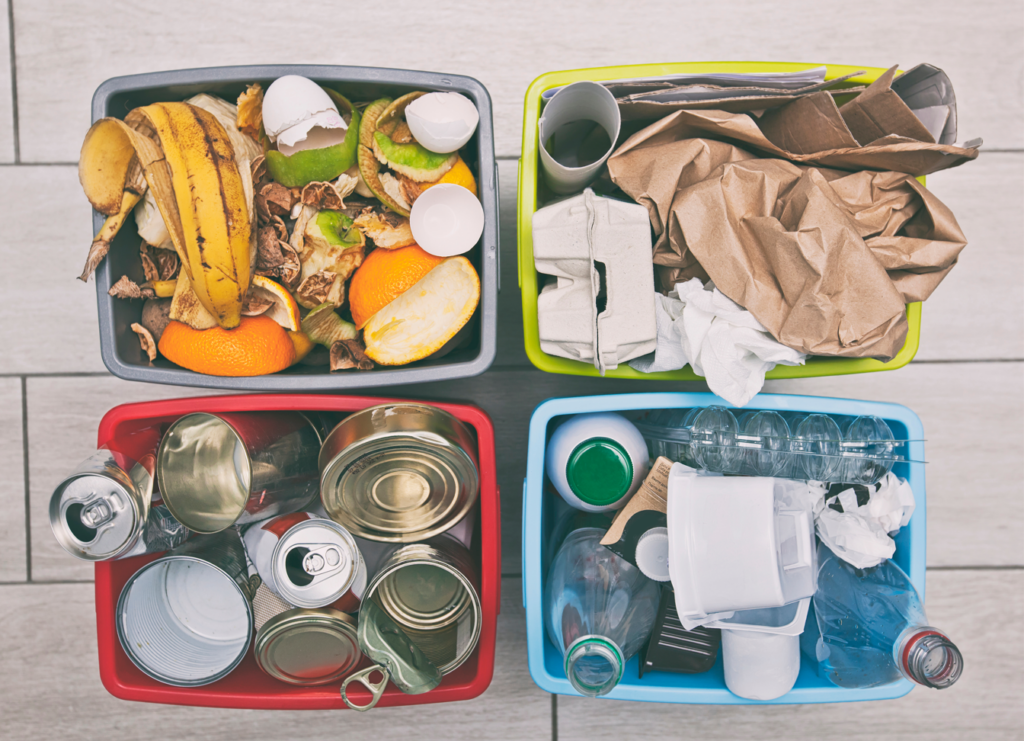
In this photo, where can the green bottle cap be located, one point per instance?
(599, 471)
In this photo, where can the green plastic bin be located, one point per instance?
(529, 174)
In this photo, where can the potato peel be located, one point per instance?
(349, 354)
(129, 289)
(146, 340)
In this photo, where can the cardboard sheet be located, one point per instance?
(825, 259)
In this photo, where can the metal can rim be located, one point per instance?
(126, 645)
(296, 599)
(159, 467)
(277, 626)
(69, 543)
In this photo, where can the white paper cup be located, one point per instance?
(447, 220)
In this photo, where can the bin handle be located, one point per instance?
(363, 677)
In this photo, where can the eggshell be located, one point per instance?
(298, 115)
(442, 122)
(446, 220)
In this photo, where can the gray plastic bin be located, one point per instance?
(120, 346)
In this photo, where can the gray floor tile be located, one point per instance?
(63, 417)
(976, 311)
(505, 50)
(13, 563)
(6, 98)
(49, 317)
(49, 679)
(971, 414)
(981, 610)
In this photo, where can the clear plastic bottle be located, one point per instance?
(598, 610)
(872, 629)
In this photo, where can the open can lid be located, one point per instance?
(308, 647)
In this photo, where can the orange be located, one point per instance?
(284, 309)
(384, 276)
(258, 345)
(460, 174)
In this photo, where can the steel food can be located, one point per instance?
(308, 561)
(302, 646)
(217, 470)
(103, 511)
(186, 619)
(429, 590)
(399, 473)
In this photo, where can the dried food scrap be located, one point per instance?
(259, 171)
(255, 305)
(276, 258)
(322, 288)
(348, 354)
(387, 229)
(279, 199)
(167, 264)
(97, 252)
(127, 288)
(149, 267)
(146, 340)
(250, 111)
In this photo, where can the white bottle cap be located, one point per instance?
(652, 554)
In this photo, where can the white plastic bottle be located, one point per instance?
(597, 461)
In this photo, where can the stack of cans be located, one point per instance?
(317, 544)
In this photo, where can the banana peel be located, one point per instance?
(186, 307)
(188, 162)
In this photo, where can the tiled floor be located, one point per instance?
(967, 382)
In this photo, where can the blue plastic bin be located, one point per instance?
(539, 502)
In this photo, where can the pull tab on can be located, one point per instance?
(323, 559)
(97, 513)
(363, 677)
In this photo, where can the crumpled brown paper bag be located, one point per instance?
(824, 259)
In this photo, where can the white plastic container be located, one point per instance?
(597, 461)
(761, 650)
(733, 547)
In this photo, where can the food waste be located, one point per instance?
(276, 230)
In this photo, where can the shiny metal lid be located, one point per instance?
(308, 647)
(314, 563)
(424, 596)
(398, 473)
(99, 514)
(386, 643)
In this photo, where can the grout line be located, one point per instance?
(45, 583)
(24, 463)
(554, 718)
(38, 164)
(83, 374)
(15, 127)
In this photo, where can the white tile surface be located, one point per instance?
(6, 99)
(981, 611)
(47, 315)
(50, 685)
(979, 47)
(13, 564)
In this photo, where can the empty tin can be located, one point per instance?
(308, 561)
(217, 470)
(101, 511)
(186, 619)
(399, 473)
(429, 590)
(303, 647)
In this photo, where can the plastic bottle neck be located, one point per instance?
(594, 665)
(926, 656)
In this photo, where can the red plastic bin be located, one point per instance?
(247, 686)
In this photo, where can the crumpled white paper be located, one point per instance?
(861, 535)
(718, 338)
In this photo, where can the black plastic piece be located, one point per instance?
(672, 648)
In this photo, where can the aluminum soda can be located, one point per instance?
(218, 470)
(106, 509)
(304, 647)
(429, 590)
(307, 561)
(399, 473)
(186, 618)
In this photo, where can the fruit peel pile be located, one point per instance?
(276, 231)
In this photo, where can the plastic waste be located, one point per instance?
(870, 629)
(596, 461)
(765, 443)
(598, 611)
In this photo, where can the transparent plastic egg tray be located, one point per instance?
(793, 445)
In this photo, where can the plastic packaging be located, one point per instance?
(761, 650)
(597, 461)
(599, 611)
(768, 443)
(600, 309)
(735, 545)
(870, 629)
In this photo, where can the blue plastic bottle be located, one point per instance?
(872, 629)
